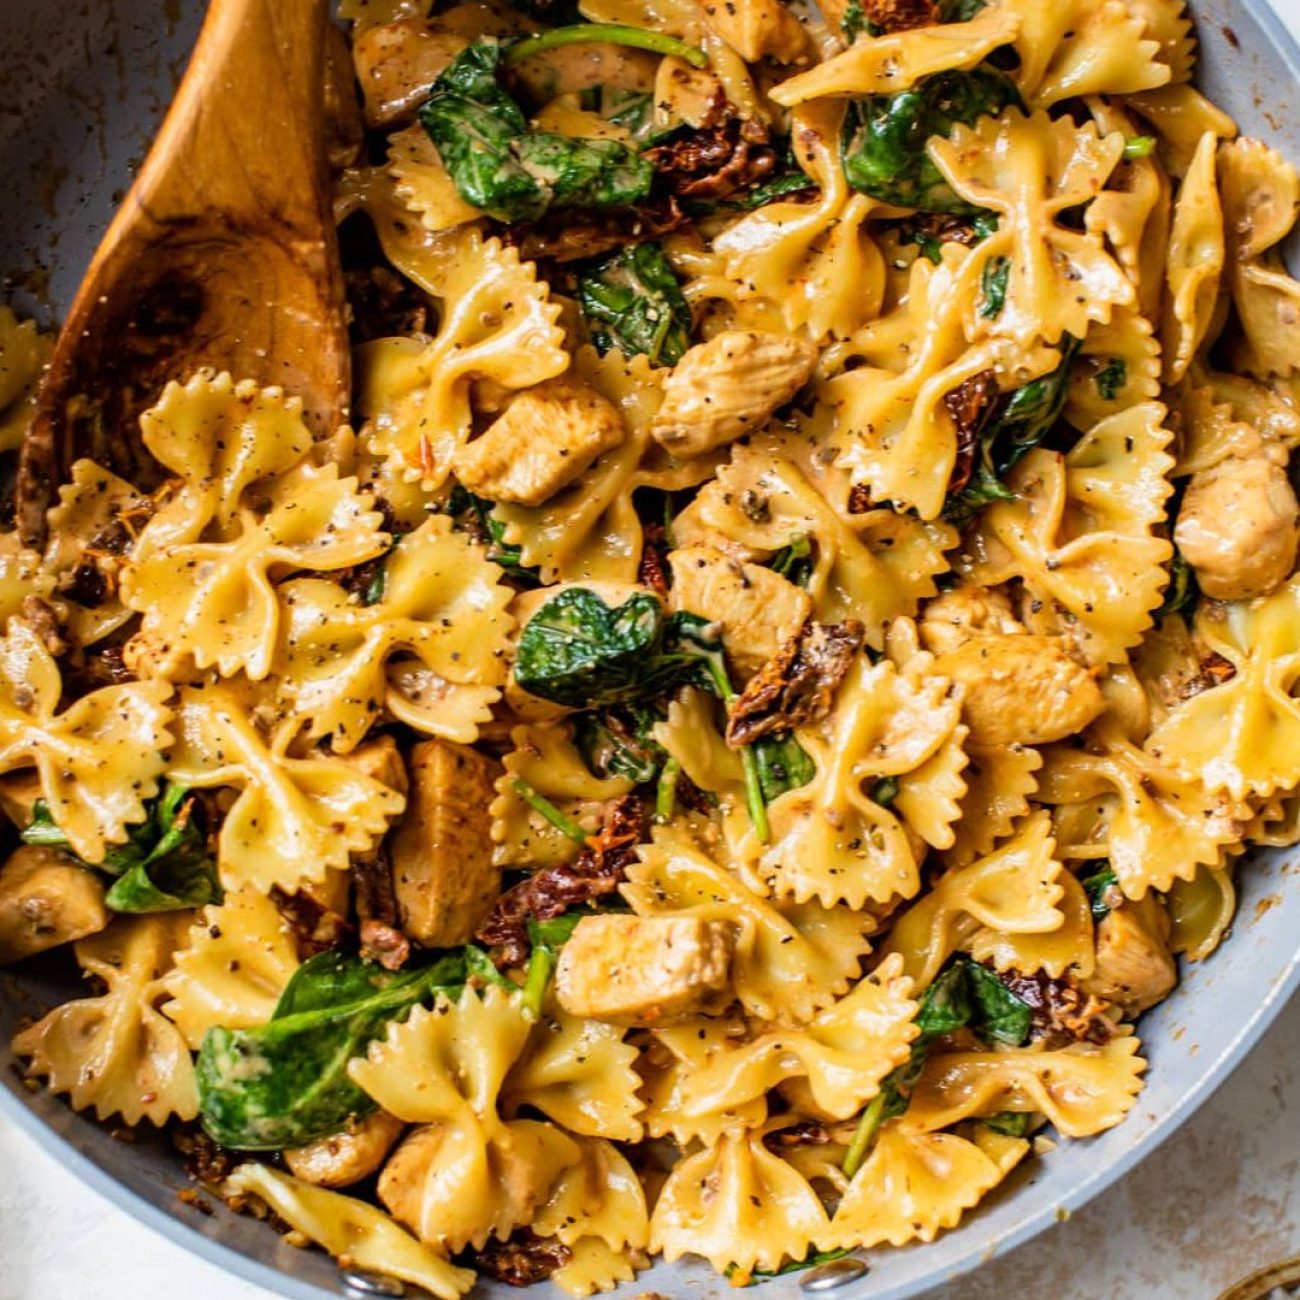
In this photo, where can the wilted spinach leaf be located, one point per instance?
(617, 742)
(794, 560)
(1020, 423)
(285, 1083)
(164, 866)
(993, 287)
(885, 136)
(1111, 378)
(1010, 1123)
(810, 1260)
(475, 513)
(783, 764)
(1097, 884)
(633, 302)
(1183, 590)
(996, 1012)
(500, 164)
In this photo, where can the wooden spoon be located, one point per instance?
(223, 254)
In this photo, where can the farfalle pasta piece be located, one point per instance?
(351, 1230)
(1067, 950)
(1169, 23)
(874, 567)
(295, 818)
(442, 603)
(790, 958)
(239, 956)
(496, 322)
(466, 1174)
(1083, 47)
(580, 1074)
(1181, 115)
(1080, 532)
(999, 780)
(598, 1210)
(1261, 197)
(1013, 890)
(1133, 211)
(220, 437)
(739, 1205)
(1242, 736)
(815, 263)
(831, 840)
(914, 1185)
(884, 65)
(545, 759)
(841, 1055)
(1200, 912)
(23, 573)
(214, 603)
(116, 1052)
(1117, 366)
(894, 434)
(1155, 825)
(1030, 170)
(24, 350)
(421, 181)
(1082, 1089)
(1194, 262)
(1225, 415)
(590, 530)
(97, 760)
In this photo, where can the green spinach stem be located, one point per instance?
(666, 791)
(607, 33)
(541, 804)
(865, 1134)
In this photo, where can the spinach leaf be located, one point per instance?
(617, 742)
(885, 791)
(885, 136)
(475, 512)
(164, 866)
(500, 164)
(993, 287)
(633, 302)
(1111, 378)
(811, 1260)
(578, 651)
(1022, 421)
(996, 1012)
(1097, 884)
(1183, 590)
(783, 764)
(965, 994)
(285, 1083)
(794, 560)
(583, 33)
(959, 11)
(1010, 1123)
(855, 22)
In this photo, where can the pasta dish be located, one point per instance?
(717, 757)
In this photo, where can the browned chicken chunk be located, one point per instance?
(346, 1158)
(46, 899)
(1135, 968)
(441, 850)
(1238, 526)
(644, 970)
(1023, 690)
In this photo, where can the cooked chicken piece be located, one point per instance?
(19, 792)
(1135, 968)
(644, 970)
(1238, 526)
(758, 610)
(396, 64)
(346, 1158)
(546, 438)
(441, 850)
(953, 617)
(1021, 689)
(754, 28)
(46, 899)
(722, 389)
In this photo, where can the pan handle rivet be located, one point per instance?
(836, 1273)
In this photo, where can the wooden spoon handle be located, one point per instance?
(223, 254)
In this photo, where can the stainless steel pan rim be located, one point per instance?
(1194, 1041)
